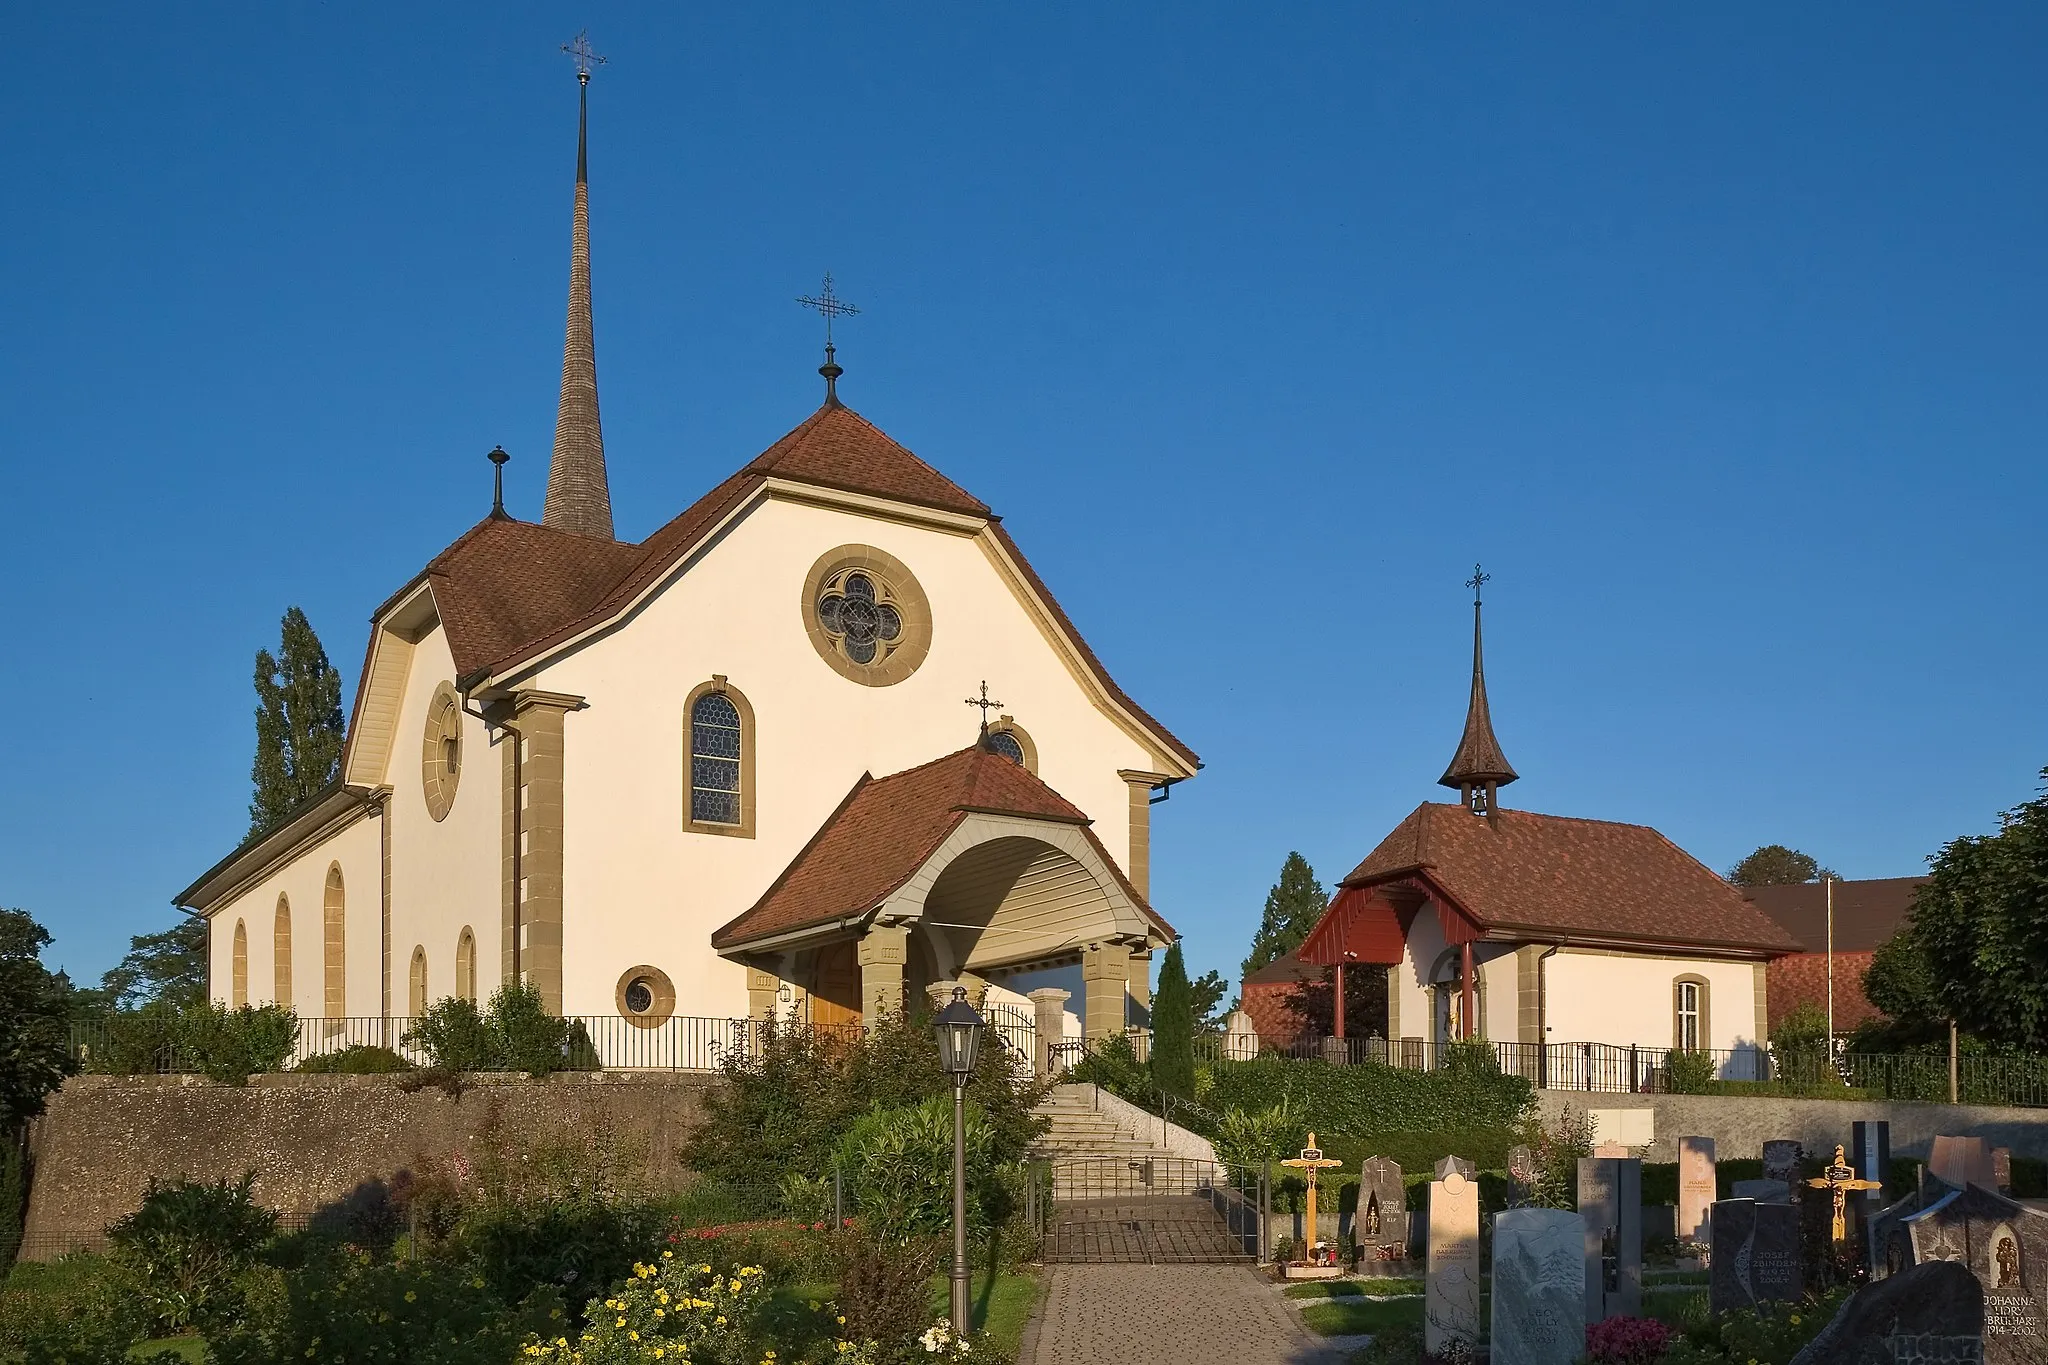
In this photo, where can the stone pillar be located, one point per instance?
(538, 895)
(1138, 867)
(884, 948)
(1049, 1026)
(1105, 983)
(762, 988)
(1141, 979)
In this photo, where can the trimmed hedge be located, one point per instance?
(1369, 1099)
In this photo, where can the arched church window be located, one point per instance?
(1004, 743)
(238, 978)
(334, 950)
(1008, 738)
(281, 952)
(441, 751)
(1690, 1022)
(416, 993)
(866, 615)
(718, 741)
(465, 965)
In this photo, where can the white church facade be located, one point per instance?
(726, 771)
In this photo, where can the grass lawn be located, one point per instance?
(1676, 1309)
(1675, 1277)
(1350, 1316)
(188, 1348)
(1348, 1289)
(1002, 1303)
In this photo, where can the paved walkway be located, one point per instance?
(1166, 1315)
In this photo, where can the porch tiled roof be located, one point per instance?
(884, 831)
(1553, 876)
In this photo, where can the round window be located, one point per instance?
(441, 751)
(866, 615)
(647, 998)
(639, 995)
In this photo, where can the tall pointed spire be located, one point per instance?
(579, 496)
(1479, 768)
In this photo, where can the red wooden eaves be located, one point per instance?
(1370, 923)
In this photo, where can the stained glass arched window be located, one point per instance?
(1004, 743)
(715, 750)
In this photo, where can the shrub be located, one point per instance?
(359, 1059)
(229, 1045)
(81, 1309)
(1769, 1334)
(1246, 1138)
(674, 1310)
(899, 1163)
(1557, 1152)
(348, 1309)
(1688, 1073)
(883, 1290)
(188, 1242)
(1173, 1028)
(514, 1032)
(1626, 1341)
(575, 1248)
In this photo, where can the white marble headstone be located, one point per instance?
(1451, 1289)
(1539, 1286)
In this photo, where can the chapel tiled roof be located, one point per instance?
(1560, 876)
(509, 590)
(1867, 912)
(884, 831)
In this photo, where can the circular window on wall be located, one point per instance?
(441, 751)
(647, 998)
(866, 615)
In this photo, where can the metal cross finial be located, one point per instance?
(986, 706)
(832, 306)
(586, 60)
(1477, 581)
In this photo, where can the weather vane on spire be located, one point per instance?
(586, 59)
(1477, 581)
(832, 306)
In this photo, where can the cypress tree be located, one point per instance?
(1293, 906)
(299, 727)
(1173, 1028)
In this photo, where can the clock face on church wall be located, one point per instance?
(866, 615)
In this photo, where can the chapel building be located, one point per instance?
(1578, 940)
(725, 771)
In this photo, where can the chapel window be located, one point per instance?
(441, 755)
(866, 615)
(1004, 743)
(1689, 1032)
(646, 996)
(715, 740)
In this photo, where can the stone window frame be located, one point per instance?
(664, 991)
(745, 828)
(238, 966)
(1005, 725)
(465, 964)
(281, 951)
(334, 949)
(416, 1001)
(904, 592)
(1702, 1014)
(439, 777)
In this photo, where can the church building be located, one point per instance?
(1588, 944)
(749, 766)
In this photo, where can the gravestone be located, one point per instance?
(1763, 1191)
(1450, 1302)
(1522, 1175)
(1696, 1189)
(2001, 1170)
(1891, 1243)
(1240, 1037)
(2005, 1245)
(1781, 1160)
(1870, 1152)
(1611, 1203)
(1926, 1315)
(1446, 1165)
(1756, 1255)
(1380, 1227)
(1538, 1286)
(1610, 1150)
(1958, 1162)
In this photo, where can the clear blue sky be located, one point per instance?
(1716, 332)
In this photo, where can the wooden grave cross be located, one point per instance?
(1309, 1163)
(1838, 1179)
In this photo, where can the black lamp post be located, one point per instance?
(959, 1029)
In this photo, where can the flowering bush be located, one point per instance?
(677, 1313)
(1626, 1341)
(940, 1344)
(1769, 1334)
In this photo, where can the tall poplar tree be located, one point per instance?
(1173, 1027)
(1293, 906)
(299, 727)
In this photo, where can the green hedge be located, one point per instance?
(1370, 1099)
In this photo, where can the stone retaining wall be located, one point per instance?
(1741, 1124)
(312, 1140)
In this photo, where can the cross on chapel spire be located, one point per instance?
(832, 306)
(1479, 769)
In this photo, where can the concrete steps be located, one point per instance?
(1096, 1155)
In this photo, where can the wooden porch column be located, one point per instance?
(1339, 969)
(1465, 1000)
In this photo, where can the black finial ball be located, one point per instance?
(498, 455)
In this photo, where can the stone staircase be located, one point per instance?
(1100, 1149)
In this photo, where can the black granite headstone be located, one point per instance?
(1781, 1160)
(1870, 1152)
(1611, 1203)
(1756, 1255)
(1380, 1226)
(1926, 1315)
(2005, 1245)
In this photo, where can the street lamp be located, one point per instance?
(959, 1029)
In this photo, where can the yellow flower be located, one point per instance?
(1795, 1319)
(410, 1296)
(632, 1336)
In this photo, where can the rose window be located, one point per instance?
(860, 616)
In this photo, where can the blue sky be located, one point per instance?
(1718, 334)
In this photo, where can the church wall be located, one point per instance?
(445, 874)
(639, 887)
(1626, 998)
(303, 881)
(1425, 946)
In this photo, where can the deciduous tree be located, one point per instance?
(1293, 906)
(35, 1021)
(169, 966)
(299, 727)
(1777, 865)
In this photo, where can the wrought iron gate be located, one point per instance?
(1151, 1210)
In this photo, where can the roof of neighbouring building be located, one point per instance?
(1285, 970)
(1556, 876)
(884, 831)
(1867, 912)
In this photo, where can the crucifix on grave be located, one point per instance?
(1838, 1178)
(1309, 1163)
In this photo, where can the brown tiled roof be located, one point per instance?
(838, 448)
(1285, 970)
(1555, 876)
(507, 581)
(1867, 913)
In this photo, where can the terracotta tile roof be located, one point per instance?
(1867, 912)
(884, 831)
(838, 448)
(1552, 875)
(508, 581)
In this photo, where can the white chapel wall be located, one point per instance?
(445, 874)
(1624, 999)
(304, 881)
(638, 887)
